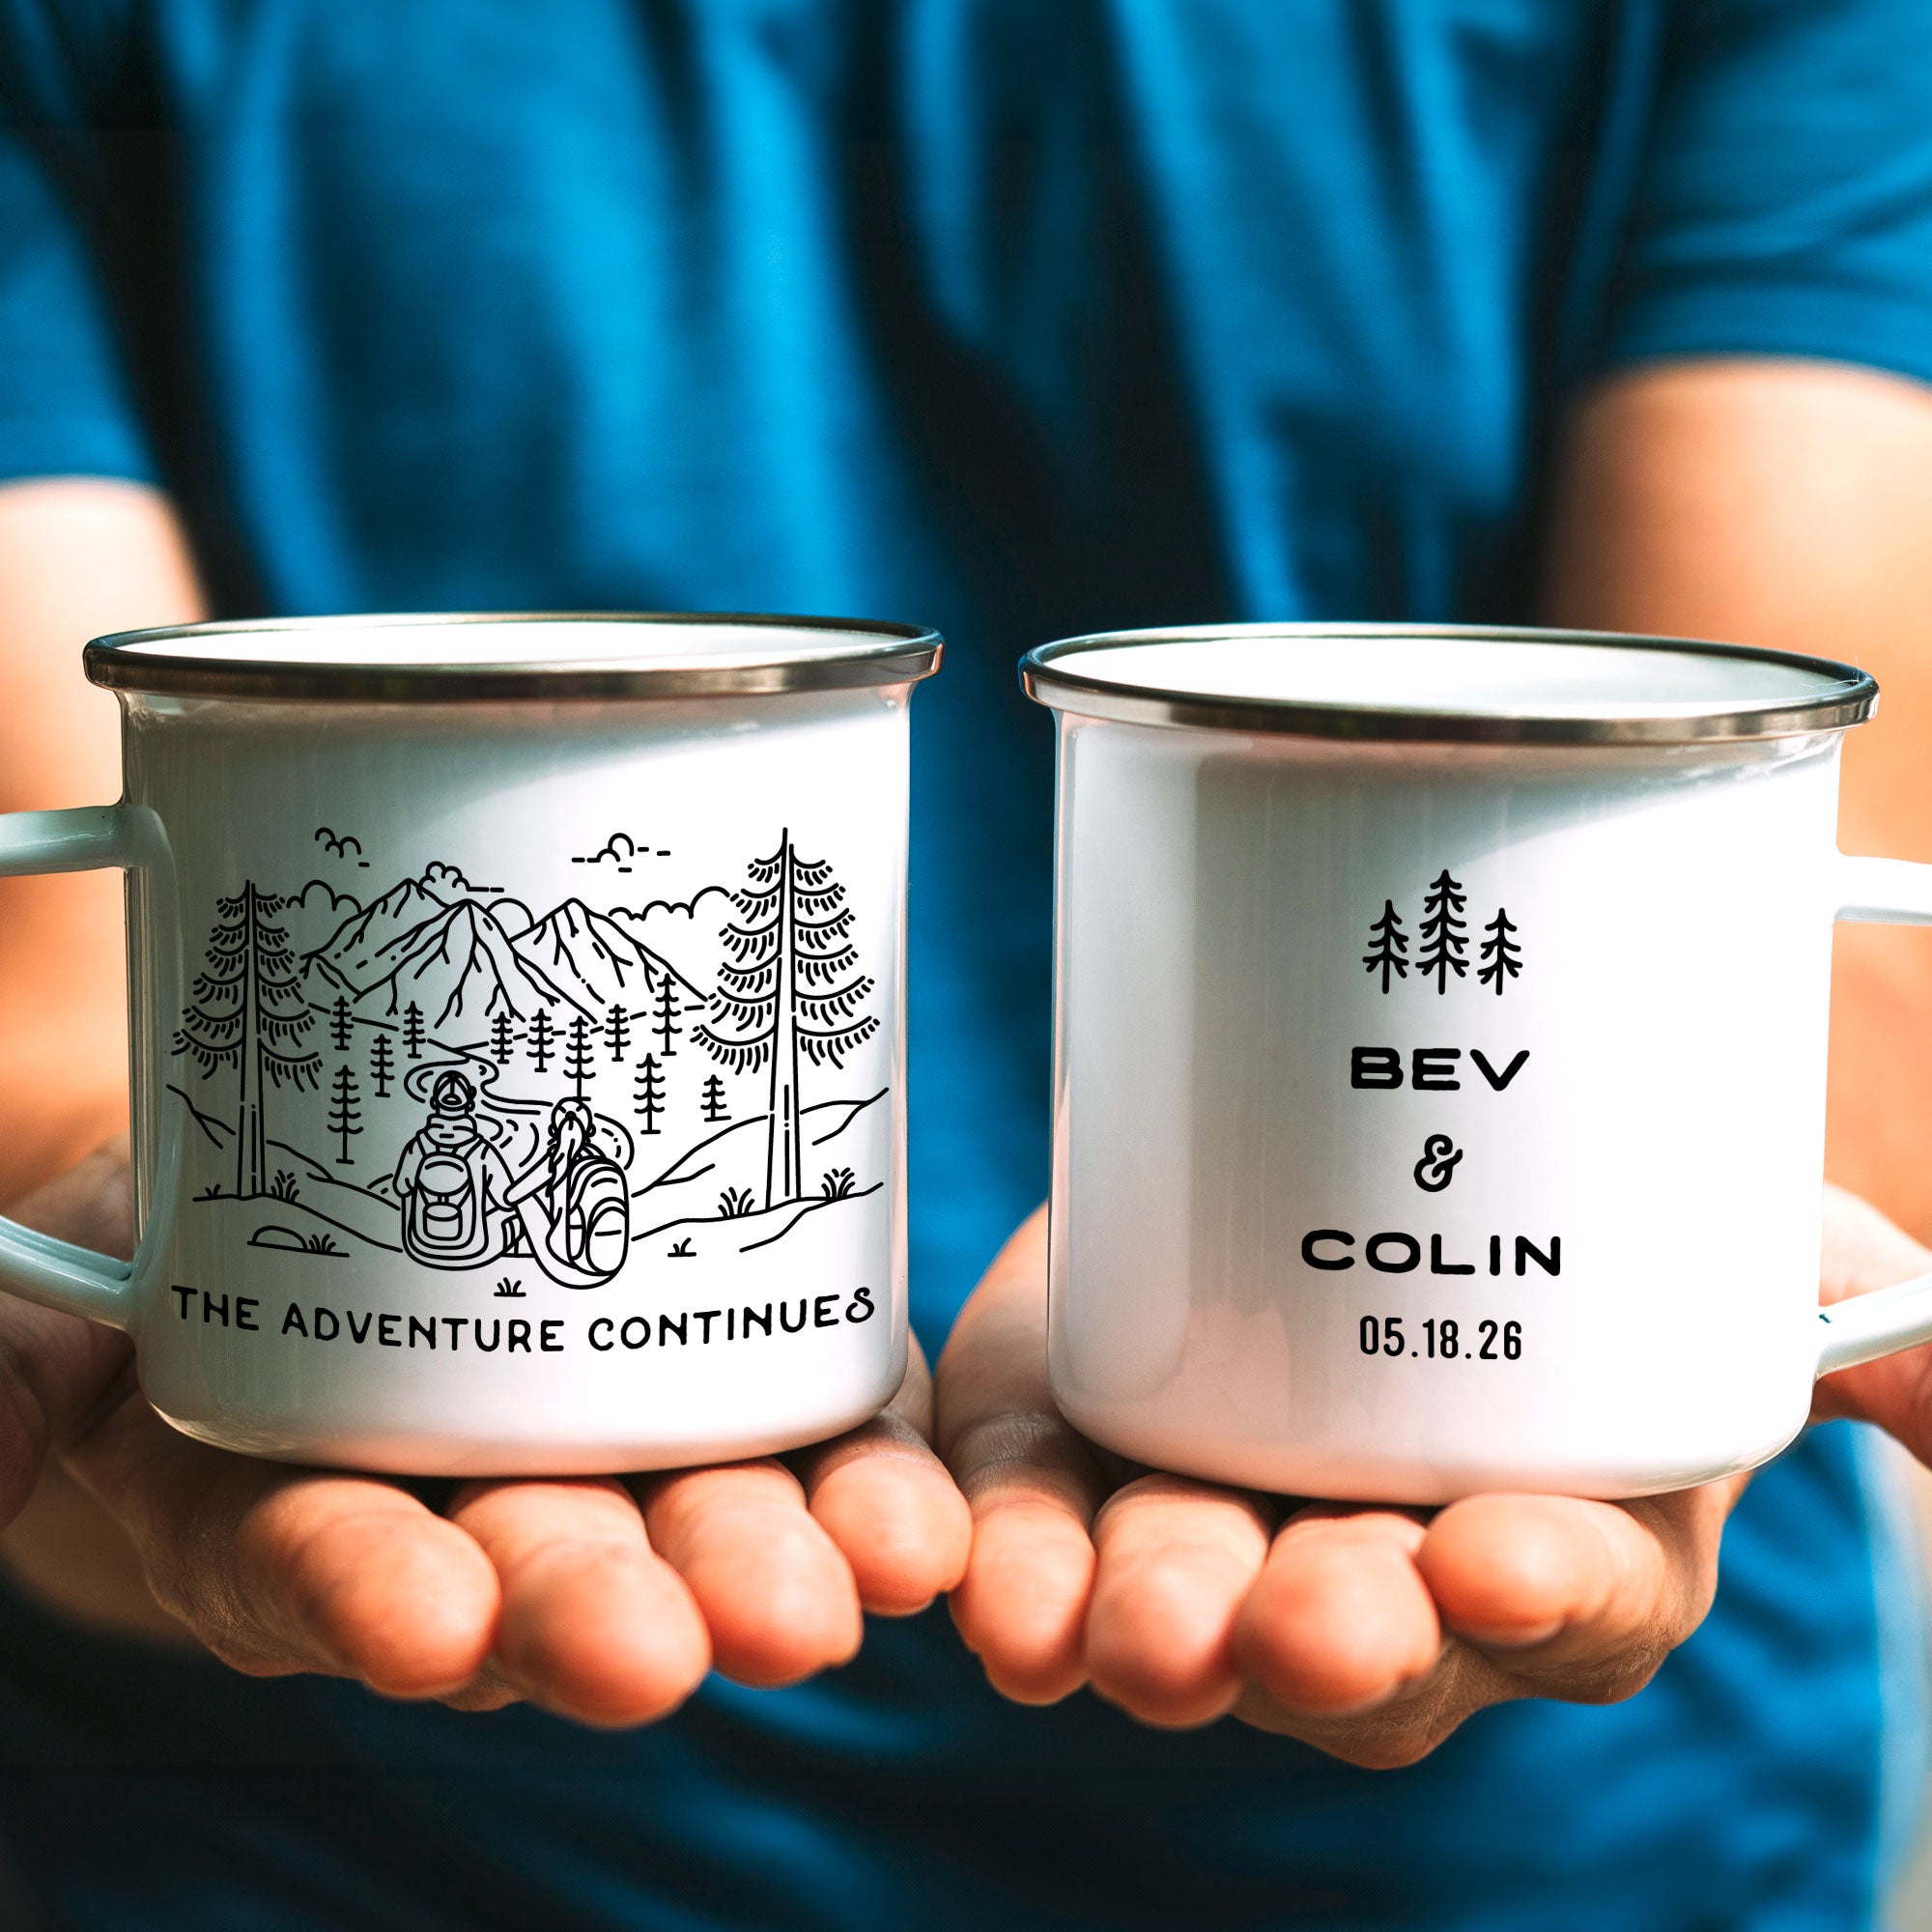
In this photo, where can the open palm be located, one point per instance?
(605, 1600)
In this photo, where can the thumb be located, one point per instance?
(1862, 1252)
(57, 1371)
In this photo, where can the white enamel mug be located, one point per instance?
(517, 1014)
(1439, 1055)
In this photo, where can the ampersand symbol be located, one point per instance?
(1437, 1168)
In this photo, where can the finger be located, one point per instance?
(889, 1504)
(1032, 1484)
(279, 1570)
(1339, 1621)
(1583, 1599)
(776, 1594)
(1176, 1562)
(594, 1625)
(55, 1370)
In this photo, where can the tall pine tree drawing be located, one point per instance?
(541, 1038)
(249, 1011)
(664, 1016)
(502, 1039)
(345, 1115)
(1444, 934)
(577, 1058)
(382, 1065)
(714, 1098)
(338, 1024)
(413, 1030)
(1501, 955)
(649, 1096)
(792, 987)
(1387, 944)
(617, 1032)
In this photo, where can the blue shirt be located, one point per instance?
(1016, 319)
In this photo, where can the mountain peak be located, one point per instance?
(592, 956)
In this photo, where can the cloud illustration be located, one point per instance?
(339, 845)
(619, 850)
(314, 913)
(319, 895)
(441, 878)
(684, 931)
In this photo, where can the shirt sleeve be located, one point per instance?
(66, 407)
(1783, 202)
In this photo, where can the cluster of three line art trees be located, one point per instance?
(1444, 942)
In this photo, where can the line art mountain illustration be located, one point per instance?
(595, 958)
(455, 962)
(441, 1073)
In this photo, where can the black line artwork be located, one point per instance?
(664, 1017)
(792, 987)
(491, 1074)
(649, 1092)
(1437, 1168)
(1387, 943)
(1444, 935)
(620, 850)
(1501, 957)
(249, 1013)
(345, 1116)
(340, 845)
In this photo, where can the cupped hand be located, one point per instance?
(1372, 1633)
(606, 1600)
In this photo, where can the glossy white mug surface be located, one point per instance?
(1440, 1043)
(516, 1035)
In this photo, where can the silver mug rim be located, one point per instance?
(882, 653)
(1849, 697)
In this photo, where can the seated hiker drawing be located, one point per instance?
(569, 1209)
(573, 1201)
(453, 1185)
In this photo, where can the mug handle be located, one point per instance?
(58, 1274)
(1879, 892)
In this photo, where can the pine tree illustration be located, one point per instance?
(338, 1024)
(541, 1038)
(577, 1058)
(663, 1015)
(502, 1039)
(714, 1098)
(382, 1065)
(649, 1096)
(413, 1030)
(617, 1032)
(1501, 955)
(793, 987)
(1444, 934)
(249, 1011)
(1387, 943)
(345, 1116)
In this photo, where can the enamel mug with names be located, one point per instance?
(517, 1035)
(1439, 1055)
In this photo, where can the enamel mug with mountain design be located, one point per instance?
(516, 1013)
(1439, 1055)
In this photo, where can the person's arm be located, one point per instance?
(1790, 504)
(80, 556)
(602, 1600)
(1769, 502)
